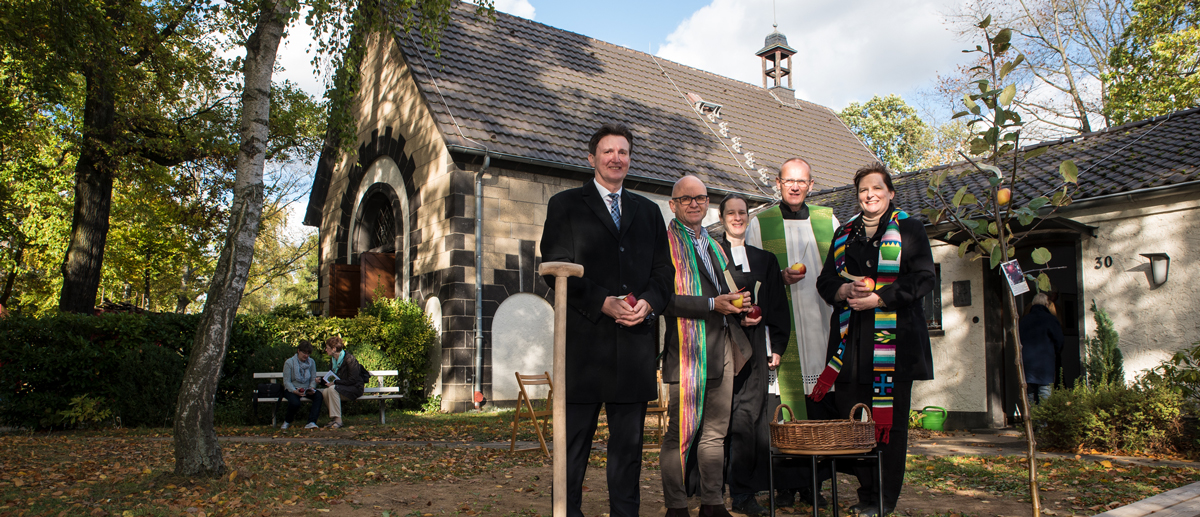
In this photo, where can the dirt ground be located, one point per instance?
(526, 492)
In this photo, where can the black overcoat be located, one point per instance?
(1041, 344)
(606, 361)
(914, 357)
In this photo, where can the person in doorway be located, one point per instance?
(798, 234)
(748, 442)
(620, 239)
(1041, 345)
(704, 348)
(880, 268)
(300, 380)
(349, 384)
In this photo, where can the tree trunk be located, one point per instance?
(182, 299)
(11, 277)
(197, 452)
(93, 195)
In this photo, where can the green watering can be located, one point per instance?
(933, 419)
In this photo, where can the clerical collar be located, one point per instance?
(800, 214)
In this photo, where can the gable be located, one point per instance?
(527, 90)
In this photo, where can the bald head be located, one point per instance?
(689, 201)
(794, 182)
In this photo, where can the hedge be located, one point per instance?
(134, 363)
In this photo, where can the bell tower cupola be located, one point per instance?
(776, 60)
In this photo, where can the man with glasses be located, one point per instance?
(621, 241)
(704, 348)
(799, 235)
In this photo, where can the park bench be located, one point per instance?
(381, 393)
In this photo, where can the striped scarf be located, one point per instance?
(884, 353)
(693, 359)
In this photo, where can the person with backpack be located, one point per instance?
(348, 384)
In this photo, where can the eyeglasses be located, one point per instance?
(687, 200)
(795, 182)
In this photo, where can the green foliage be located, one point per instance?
(983, 215)
(1179, 373)
(914, 418)
(133, 364)
(1105, 364)
(432, 405)
(1155, 68)
(891, 129)
(1111, 418)
(84, 411)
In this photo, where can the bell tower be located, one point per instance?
(774, 53)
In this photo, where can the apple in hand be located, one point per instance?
(755, 312)
(799, 266)
(737, 302)
(869, 283)
(631, 300)
(1003, 196)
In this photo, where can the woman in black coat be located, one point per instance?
(866, 280)
(748, 441)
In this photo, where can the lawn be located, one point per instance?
(369, 469)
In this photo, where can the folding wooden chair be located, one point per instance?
(657, 412)
(525, 409)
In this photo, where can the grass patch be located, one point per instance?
(1086, 484)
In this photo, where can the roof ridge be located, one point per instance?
(649, 55)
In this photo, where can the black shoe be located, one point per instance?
(745, 503)
(785, 497)
(678, 512)
(714, 510)
(806, 497)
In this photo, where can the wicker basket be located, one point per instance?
(848, 436)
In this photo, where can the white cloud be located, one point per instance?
(845, 51)
(520, 8)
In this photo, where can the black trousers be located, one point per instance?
(626, 422)
(294, 406)
(894, 452)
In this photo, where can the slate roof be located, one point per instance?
(526, 89)
(1159, 152)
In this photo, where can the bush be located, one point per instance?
(1110, 418)
(133, 364)
(1105, 364)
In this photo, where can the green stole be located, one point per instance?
(770, 221)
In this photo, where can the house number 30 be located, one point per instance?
(1103, 261)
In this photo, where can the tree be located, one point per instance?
(891, 129)
(196, 449)
(129, 63)
(1155, 69)
(976, 205)
(1060, 85)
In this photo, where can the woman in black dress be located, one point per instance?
(879, 268)
(748, 440)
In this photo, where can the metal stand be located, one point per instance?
(877, 455)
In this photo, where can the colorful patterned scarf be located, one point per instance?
(774, 240)
(693, 359)
(884, 356)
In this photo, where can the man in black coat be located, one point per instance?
(620, 239)
(1041, 344)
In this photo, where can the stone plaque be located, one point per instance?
(522, 341)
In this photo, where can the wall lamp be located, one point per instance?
(1160, 265)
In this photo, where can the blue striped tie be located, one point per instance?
(615, 209)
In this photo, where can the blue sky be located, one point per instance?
(847, 50)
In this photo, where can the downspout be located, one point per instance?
(478, 398)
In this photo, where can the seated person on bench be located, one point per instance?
(350, 381)
(300, 380)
